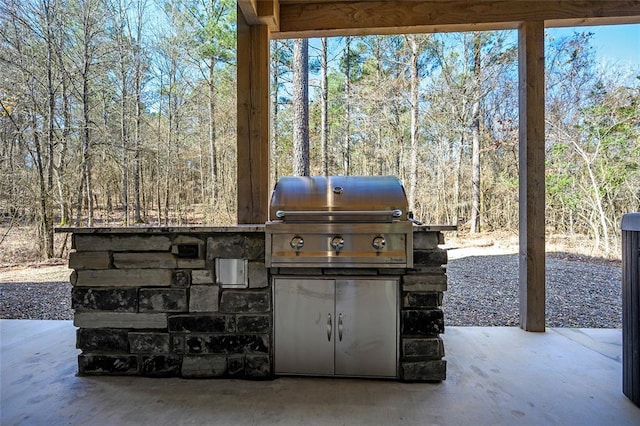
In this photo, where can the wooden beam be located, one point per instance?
(531, 169)
(269, 14)
(331, 18)
(249, 9)
(253, 121)
(261, 12)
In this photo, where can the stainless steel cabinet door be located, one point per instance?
(366, 329)
(304, 325)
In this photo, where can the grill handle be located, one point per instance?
(281, 214)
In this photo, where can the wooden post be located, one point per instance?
(253, 121)
(532, 184)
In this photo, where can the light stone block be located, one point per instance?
(425, 240)
(203, 298)
(258, 277)
(204, 276)
(124, 278)
(121, 243)
(191, 263)
(204, 366)
(424, 283)
(144, 260)
(89, 260)
(120, 320)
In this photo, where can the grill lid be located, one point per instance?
(338, 199)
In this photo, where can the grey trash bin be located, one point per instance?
(631, 306)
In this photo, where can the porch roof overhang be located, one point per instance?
(326, 18)
(262, 20)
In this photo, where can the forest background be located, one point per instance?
(120, 112)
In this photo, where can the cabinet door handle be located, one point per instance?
(329, 327)
(340, 326)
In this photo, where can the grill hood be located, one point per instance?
(338, 199)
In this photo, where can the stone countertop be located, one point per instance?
(161, 229)
(206, 229)
(434, 227)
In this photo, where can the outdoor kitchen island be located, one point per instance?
(198, 302)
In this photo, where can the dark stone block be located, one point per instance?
(104, 299)
(163, 300)
(160, 365)
(102, 340)
(391, 271)
(202, 323)
(177, 344)
(181, 279)
(89, 364)
(428, 322)
(152, 343)
(226, 344)
(236, 246)
(422, 299)
(235, 366)
(428, 348)
(257, 367)
(298, 271)
(243, 301)
(429, 257)
(424, 371)
(428, 270)
(254, 323)
(188, 251)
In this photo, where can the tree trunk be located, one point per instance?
(85, 93)
(124, 136)
(47, 214)
(475, 136)
(63, 188)
(346, 164)
(301, 107)
(324, 89)
(413, 165)
(456, 186)
(212, 136)
(137, 81)
(137, 216)
(275, 111)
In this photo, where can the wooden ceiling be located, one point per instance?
(324, 18)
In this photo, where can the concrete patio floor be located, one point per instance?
(495, 376)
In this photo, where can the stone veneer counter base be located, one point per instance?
(149, 301)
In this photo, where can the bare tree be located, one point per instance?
(346, 152)
(301, 107)
(475, 133)
(89, 39)
(413, 168)
(324, 126)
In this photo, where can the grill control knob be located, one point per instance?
(296, 243)
(337, 243)
(379, 242)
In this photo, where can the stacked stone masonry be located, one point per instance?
(147, 302)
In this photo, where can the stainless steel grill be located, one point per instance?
(352, 221)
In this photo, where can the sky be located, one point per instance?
(614, 44)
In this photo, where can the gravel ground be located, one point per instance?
(482, 291)
(36, 293)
